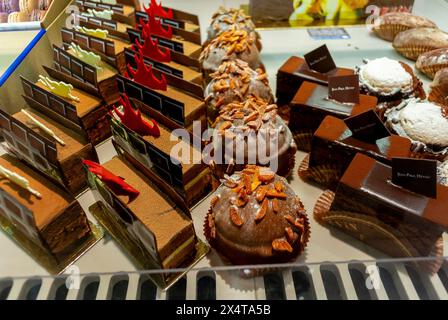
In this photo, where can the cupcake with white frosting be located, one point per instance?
(390, 81)
(425, 123)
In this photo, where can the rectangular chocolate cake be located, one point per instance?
(388, 217)
(84, 113)
(122, 12)
(43, 213)
(333, 148)
(33, 144)
(311, 105)
(158, 235)
(294, 72)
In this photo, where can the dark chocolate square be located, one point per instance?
(344, 89)
(367, 127)
(320, 60)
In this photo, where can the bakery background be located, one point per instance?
(278, 47)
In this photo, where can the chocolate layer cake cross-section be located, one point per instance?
(311, 105)
(55, 222)
(294, 72)
(392, 219)
(333, 148)
(60, 162)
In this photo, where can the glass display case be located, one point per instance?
(334, 266)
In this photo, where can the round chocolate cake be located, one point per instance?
(256, 218)
(229, 45)
(225, 19)
(251, 132)
(425, 123)
(235, 81)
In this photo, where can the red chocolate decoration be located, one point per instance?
(133, 119)
(158, 11)
(144, 76)
(151, 49)
(115, 183)
(155, 27)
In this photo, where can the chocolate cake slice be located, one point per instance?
(43, 213)
(57, 154)
(392, 219)
(311, 105)
(294, 72)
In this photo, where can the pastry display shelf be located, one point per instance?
(333, 266)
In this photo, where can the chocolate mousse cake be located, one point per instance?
(425, 123)
(256, 218)
(251, 132)
(390, 218)
(229, 45)
(294, 72)
(169, 163)
(156, 236)
(69, 105)
(235, 81)
(43, 218)
(390, 81)
(48, 146)
(311, 105)
(333, 148)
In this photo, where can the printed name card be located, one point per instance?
(416, 175)
(320, 60)
(367, 127)
(344, 89)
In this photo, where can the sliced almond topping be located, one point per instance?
(291, 235)
(275, 205)
(272, 193)
(281, 245)
(247, 183)
(266, 176)
(262, 211)
(290, 219)
(226, 125)
(235, 217)
(279, 186)
(239, 187)
(251, 117)
(238, 115)
(255, 182)
(229, 183)
(243, 199)
(214, 201)
(261, 193)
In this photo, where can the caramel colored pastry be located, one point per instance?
(414, 42)
(4, 17)
(251, 132)
(229, 45)
(174, 237)
(389, 80)
(311, 105)
(58, 156)
(294, 72)
(225, 19)
(387, 217)
(235, 81)
(425, 123)
(256, 218)
(53, 221)
(9, 6)
(431, 62)
(389, 25)
(18, 17)
(334, 147)
(28, 6)
(439, 88)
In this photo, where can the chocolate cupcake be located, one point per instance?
(256, 218)
(414, 42)
(389, 80)
(251, 132)
(389, 25)
(229, 45)
(225, 19)
(431, 62)
(439, 88)
(425, 123)
(234, 81)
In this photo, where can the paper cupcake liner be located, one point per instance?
(438, 95)
(431, 70)
(303, 140)
(389, 31)
(326, 175)
(413, 52)
(345, 220)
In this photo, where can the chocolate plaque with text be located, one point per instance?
(320, 60)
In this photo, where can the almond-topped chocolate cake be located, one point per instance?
(251, 132)
(234, 81)
(256, 218)
(229, 45)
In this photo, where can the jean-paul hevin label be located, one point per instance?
(416, 175)
(367, 127)
(344, 89)
(320, 60)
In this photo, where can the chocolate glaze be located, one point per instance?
(294, 72)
